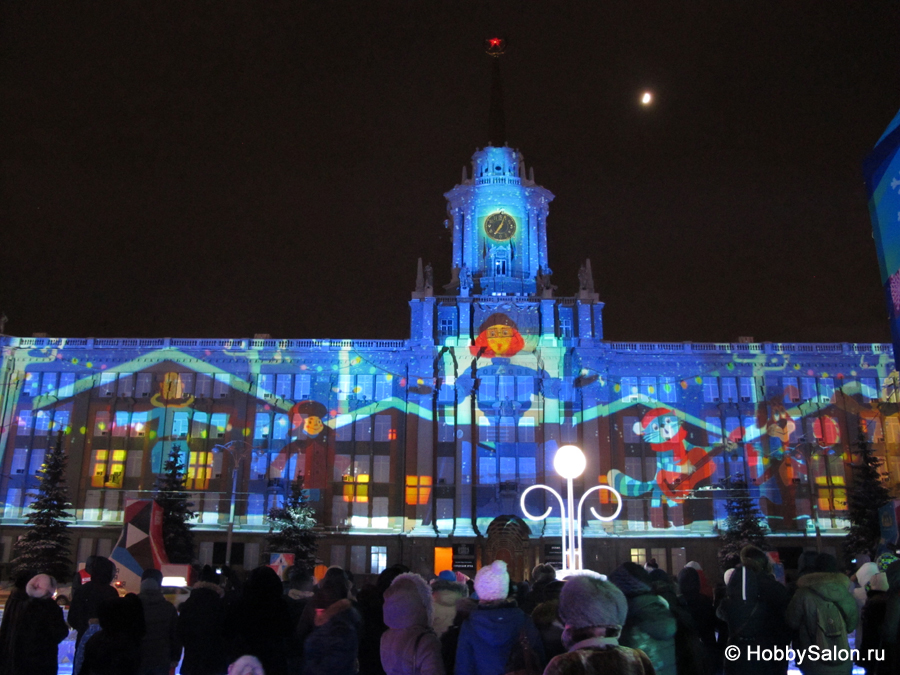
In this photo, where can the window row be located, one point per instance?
(180, 425)
(171, 386)
(40, 422)
(663, 389)
(60, 385)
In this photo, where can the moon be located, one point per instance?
(646, 98)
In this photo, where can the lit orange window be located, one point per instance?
(840, 500)
(356, 491)
(199, 470)
(115, 470)
(418, 489)
(443, 559)
(98, 475)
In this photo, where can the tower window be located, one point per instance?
(500, 268)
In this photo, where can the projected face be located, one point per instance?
(307, 419)
(661, 429)
(499, 336)
(312, 425)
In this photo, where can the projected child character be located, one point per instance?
(498, 336)
(308, 446)
(680, 465)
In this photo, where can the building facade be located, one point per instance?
(418, 450)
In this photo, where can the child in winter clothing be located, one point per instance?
(488, 637)
(410, 646)
(594, 611)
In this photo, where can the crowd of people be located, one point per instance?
(638, 620)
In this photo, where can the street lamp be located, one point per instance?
(236, 460)
(570, 463)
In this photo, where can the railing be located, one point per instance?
(752, 347)
(186, 343)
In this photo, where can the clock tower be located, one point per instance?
(498, 218)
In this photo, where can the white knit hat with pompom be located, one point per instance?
(492, 582)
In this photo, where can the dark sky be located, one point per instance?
(222, 169)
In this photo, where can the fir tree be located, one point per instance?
(291, 528)
(744, 523)
(45, 546)
(173, 498)
(866, 495)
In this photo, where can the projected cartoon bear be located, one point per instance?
(680, 466)
(778, 463)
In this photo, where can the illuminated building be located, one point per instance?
(412, 447)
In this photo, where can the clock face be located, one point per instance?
(500, 226)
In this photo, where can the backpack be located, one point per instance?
(831, 630)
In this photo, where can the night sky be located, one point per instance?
(221, 169)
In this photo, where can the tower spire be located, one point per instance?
(495, 47)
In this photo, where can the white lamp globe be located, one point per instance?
(569, 462)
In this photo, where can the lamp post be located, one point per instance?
(570, 463)
(235, 465)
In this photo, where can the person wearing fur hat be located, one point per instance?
(594, 611)
(446, 591)
(40, 629)
(493, 639)
(201, 620)
(410, 646)
(650, 625)
(87, 598)
(821, 596)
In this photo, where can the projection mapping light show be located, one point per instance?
(439, 434)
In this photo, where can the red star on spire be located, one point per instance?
(495, 46)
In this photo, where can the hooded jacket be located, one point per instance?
(410, 646)
(40, 629)
(160, 645)
(814, 592)
(487, 638)
(200, 625)
(650, 625)
(445, 594)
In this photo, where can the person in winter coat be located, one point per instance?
(160, 648)
(39, 631)
(890, 629)
(703, 614)
(650, 625)
(371, 601)
(774, 596)
(258, 622)
(332, 648)
(200, 627)
(87, 598)
(410, 645)
(492, 641)
(450, 639)
(594, 611)
(116, 648)
(823, 612)
(871, 620)
(543, 577)
(446, 592)
(14, 604)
